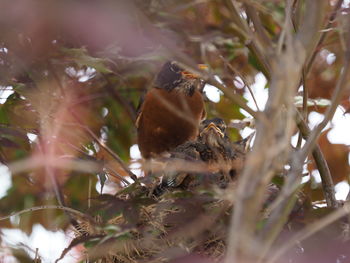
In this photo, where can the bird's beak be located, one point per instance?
(190, 75)
(202, 66)
(214, 128)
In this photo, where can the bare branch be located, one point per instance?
(323, 35)
(259, 29)
(336, 98)
(252, 43)
(242, 78)
(327, 181)
(259, 169)
(236, 98)
(45, 207)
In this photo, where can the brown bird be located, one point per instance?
(171, 111)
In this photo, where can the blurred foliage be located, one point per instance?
(79, 67)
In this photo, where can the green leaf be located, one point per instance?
(255, 62)
(4, 142)
(278, 180)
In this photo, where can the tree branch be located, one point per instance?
(327, 181)
(336, 98)
(323, 35)
(45, 207)
(242, 78)
(260, 168)
(236, 98)
(253, 43)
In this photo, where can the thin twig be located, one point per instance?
(236, 98)
(45, 207)
(296, 14)
(243, 243)
(242, 78)
(50, 170)
(305, 94)
(104, 146)
(36, 257)
(305, 105)
(35, 162)
(89, 192)
(254, 44)
(130, 111)
(336, 98)
(326, 177)
(323, 35)
(282, 204)
(259, 29)
(43, 149)
(113, 172)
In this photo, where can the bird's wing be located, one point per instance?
(204, 114)
(139, 109)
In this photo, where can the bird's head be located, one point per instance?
(172, 76)
(212, 131)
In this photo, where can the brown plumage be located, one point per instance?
(171, 111)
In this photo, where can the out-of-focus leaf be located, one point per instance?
(313, 215)
(298, 101)
(337, 157)
(278, 180)
(21, 255)
(20, 88)
(82, 58)
(4, 130)
(20, 114)
(15, 141)
(3, 115)
(315, 194)
(4, 142)
(254, 62)
(77, 188)
(227, 110)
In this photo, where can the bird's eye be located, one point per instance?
(222, 126)
(174, 68)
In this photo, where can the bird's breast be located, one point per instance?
(168, 119)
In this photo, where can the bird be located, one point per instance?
(214, 145)
(216, 149)
(171, 111)
(224, 159)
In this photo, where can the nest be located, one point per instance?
(153, 220)
(137, 226)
